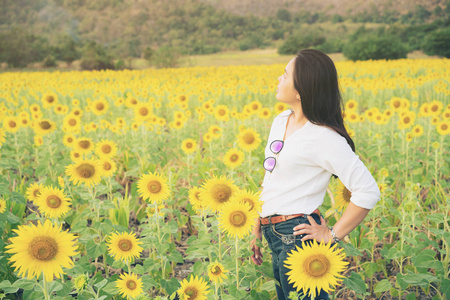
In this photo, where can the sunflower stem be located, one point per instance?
(45, 288)
(237, 262)
(215, 291)
(128, 266)
(220, 246)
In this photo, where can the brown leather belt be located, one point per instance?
(279, 219)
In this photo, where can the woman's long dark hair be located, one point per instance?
(316, 80)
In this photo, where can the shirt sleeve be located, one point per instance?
(335, 155)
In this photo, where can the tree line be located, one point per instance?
(201, 29)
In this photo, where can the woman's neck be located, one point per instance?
(297, 117)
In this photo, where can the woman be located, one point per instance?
(307, 145)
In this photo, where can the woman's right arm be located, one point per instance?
(257, 256)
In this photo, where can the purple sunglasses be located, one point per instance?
(270, 162)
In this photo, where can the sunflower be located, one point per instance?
(44, 126)
(106, 148)
(76, 156)
(248, 139)
(264, 113)
(406, 120)
(80, 282)
(417, 131)
(189, 146)
(153, 187)
(342, 196)
(351, 105)
(41, 249)
(99, 107)
(49, 100)
(216, 272)
(222, 113)
(34, 191)
(246, 196)
(143, 112)
(129, 285)
(124, 246)
(237, 218)
(11, 124)
(316, 267)
(72, 123)
(2, 206)
(88, 172)
(443, 127)
(38, 141)
(194, 198)
(279, 107)
(215, 131)
(131, 102)
(217, 191)
(109, 167)
(84, 145)
(194, 289)
(69, 140)
(233, 158)
(52, 202)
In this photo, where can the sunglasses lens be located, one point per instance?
(269, 163)
(276, 146)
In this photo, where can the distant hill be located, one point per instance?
(126, 28)
(328, 7)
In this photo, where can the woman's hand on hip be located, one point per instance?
(257, 255)
(314, 231)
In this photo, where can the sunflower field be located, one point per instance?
(144, 184)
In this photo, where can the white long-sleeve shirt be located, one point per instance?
(304, 167)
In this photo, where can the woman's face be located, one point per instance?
(286, 92)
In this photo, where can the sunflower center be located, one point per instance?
(84, 144)
(43, 248)
(53, 201)
(106, 166)
(70, 140)
(238, 218)
(45, 125)
(434, 108)
(346, 194)
(234, 158)
(396, 104)
(191, 292)
(125, 245)
(50, 99)
(86, 170)
(444, 126)
(72, 122)
(154, 186)
(12, 124)
(36, 193)
(189, 145)
(222, 112)
(106, 149)
(249, 138)
(131, 284)
(221, 192)
(250, 202)
(316, 265)
(100, 106)
(216, 270)
(143, 111)
(406, 120)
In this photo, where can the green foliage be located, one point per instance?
(166, 57)
(373, 46)
(148, 53)
(438, 43)
(284, 15)
(49, 61)
(95, 57)
(297, 42)
(18, 48)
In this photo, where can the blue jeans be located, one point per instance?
(281, 241)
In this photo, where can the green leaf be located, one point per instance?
(383, 286)
(6, 286)
(101, 284)
(350, 250)
(54, 286)
(268, 286)
(411, 296)
(445, 287)
(170, 285)
(355, 283)
(176, 257)
(110, 288)
(138, 269)
(25, 284)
